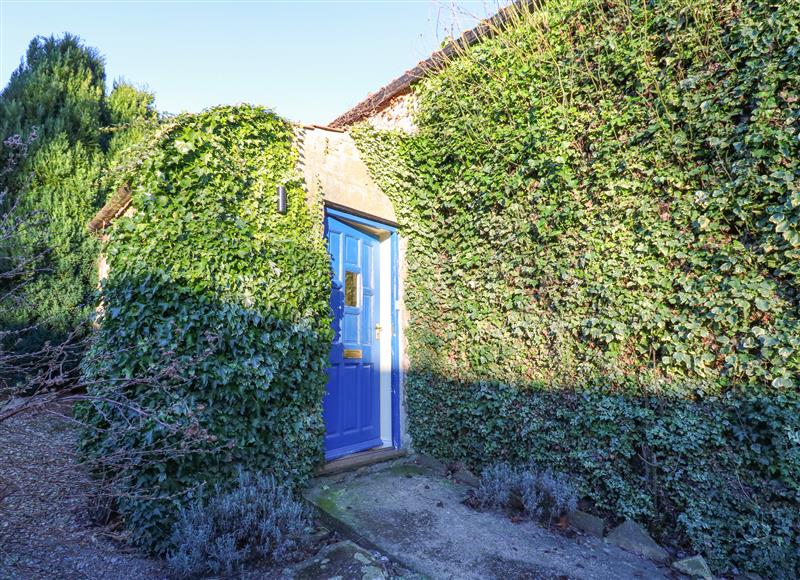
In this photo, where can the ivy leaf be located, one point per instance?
(183, 147)
(783, 382)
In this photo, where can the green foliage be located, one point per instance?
(132, 117)
(225, 302)
(58, 93)
(59, 88)
(607, 193)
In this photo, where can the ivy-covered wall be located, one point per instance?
(215, 319)
(601, 204)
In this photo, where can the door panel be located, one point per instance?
(352, 405)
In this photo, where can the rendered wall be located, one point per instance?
(332, 168)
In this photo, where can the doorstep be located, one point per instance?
(361, 459)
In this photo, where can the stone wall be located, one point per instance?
(397, 115)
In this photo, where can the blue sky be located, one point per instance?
(309, 60)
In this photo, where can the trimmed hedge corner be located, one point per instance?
(216, 320)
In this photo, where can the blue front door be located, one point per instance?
(352, 403)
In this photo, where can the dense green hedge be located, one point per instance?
(217, 307)
(601, 205)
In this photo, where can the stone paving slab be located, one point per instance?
(417, 518)
(343, 561)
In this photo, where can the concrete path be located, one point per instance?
(416, 517)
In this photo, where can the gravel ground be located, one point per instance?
(45, 530)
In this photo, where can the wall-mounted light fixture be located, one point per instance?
(281, 199)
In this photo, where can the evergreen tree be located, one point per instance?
(132, 117)
(58, 93)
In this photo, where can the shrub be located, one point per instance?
(497, 483)
(206, 276)
(543, 494)
(258, 518)
(717, 476)
(546, 495)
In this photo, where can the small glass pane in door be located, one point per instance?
(351, 289)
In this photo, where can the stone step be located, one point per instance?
(363, 459)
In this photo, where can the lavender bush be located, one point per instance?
(259, 518)
(543, 495)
